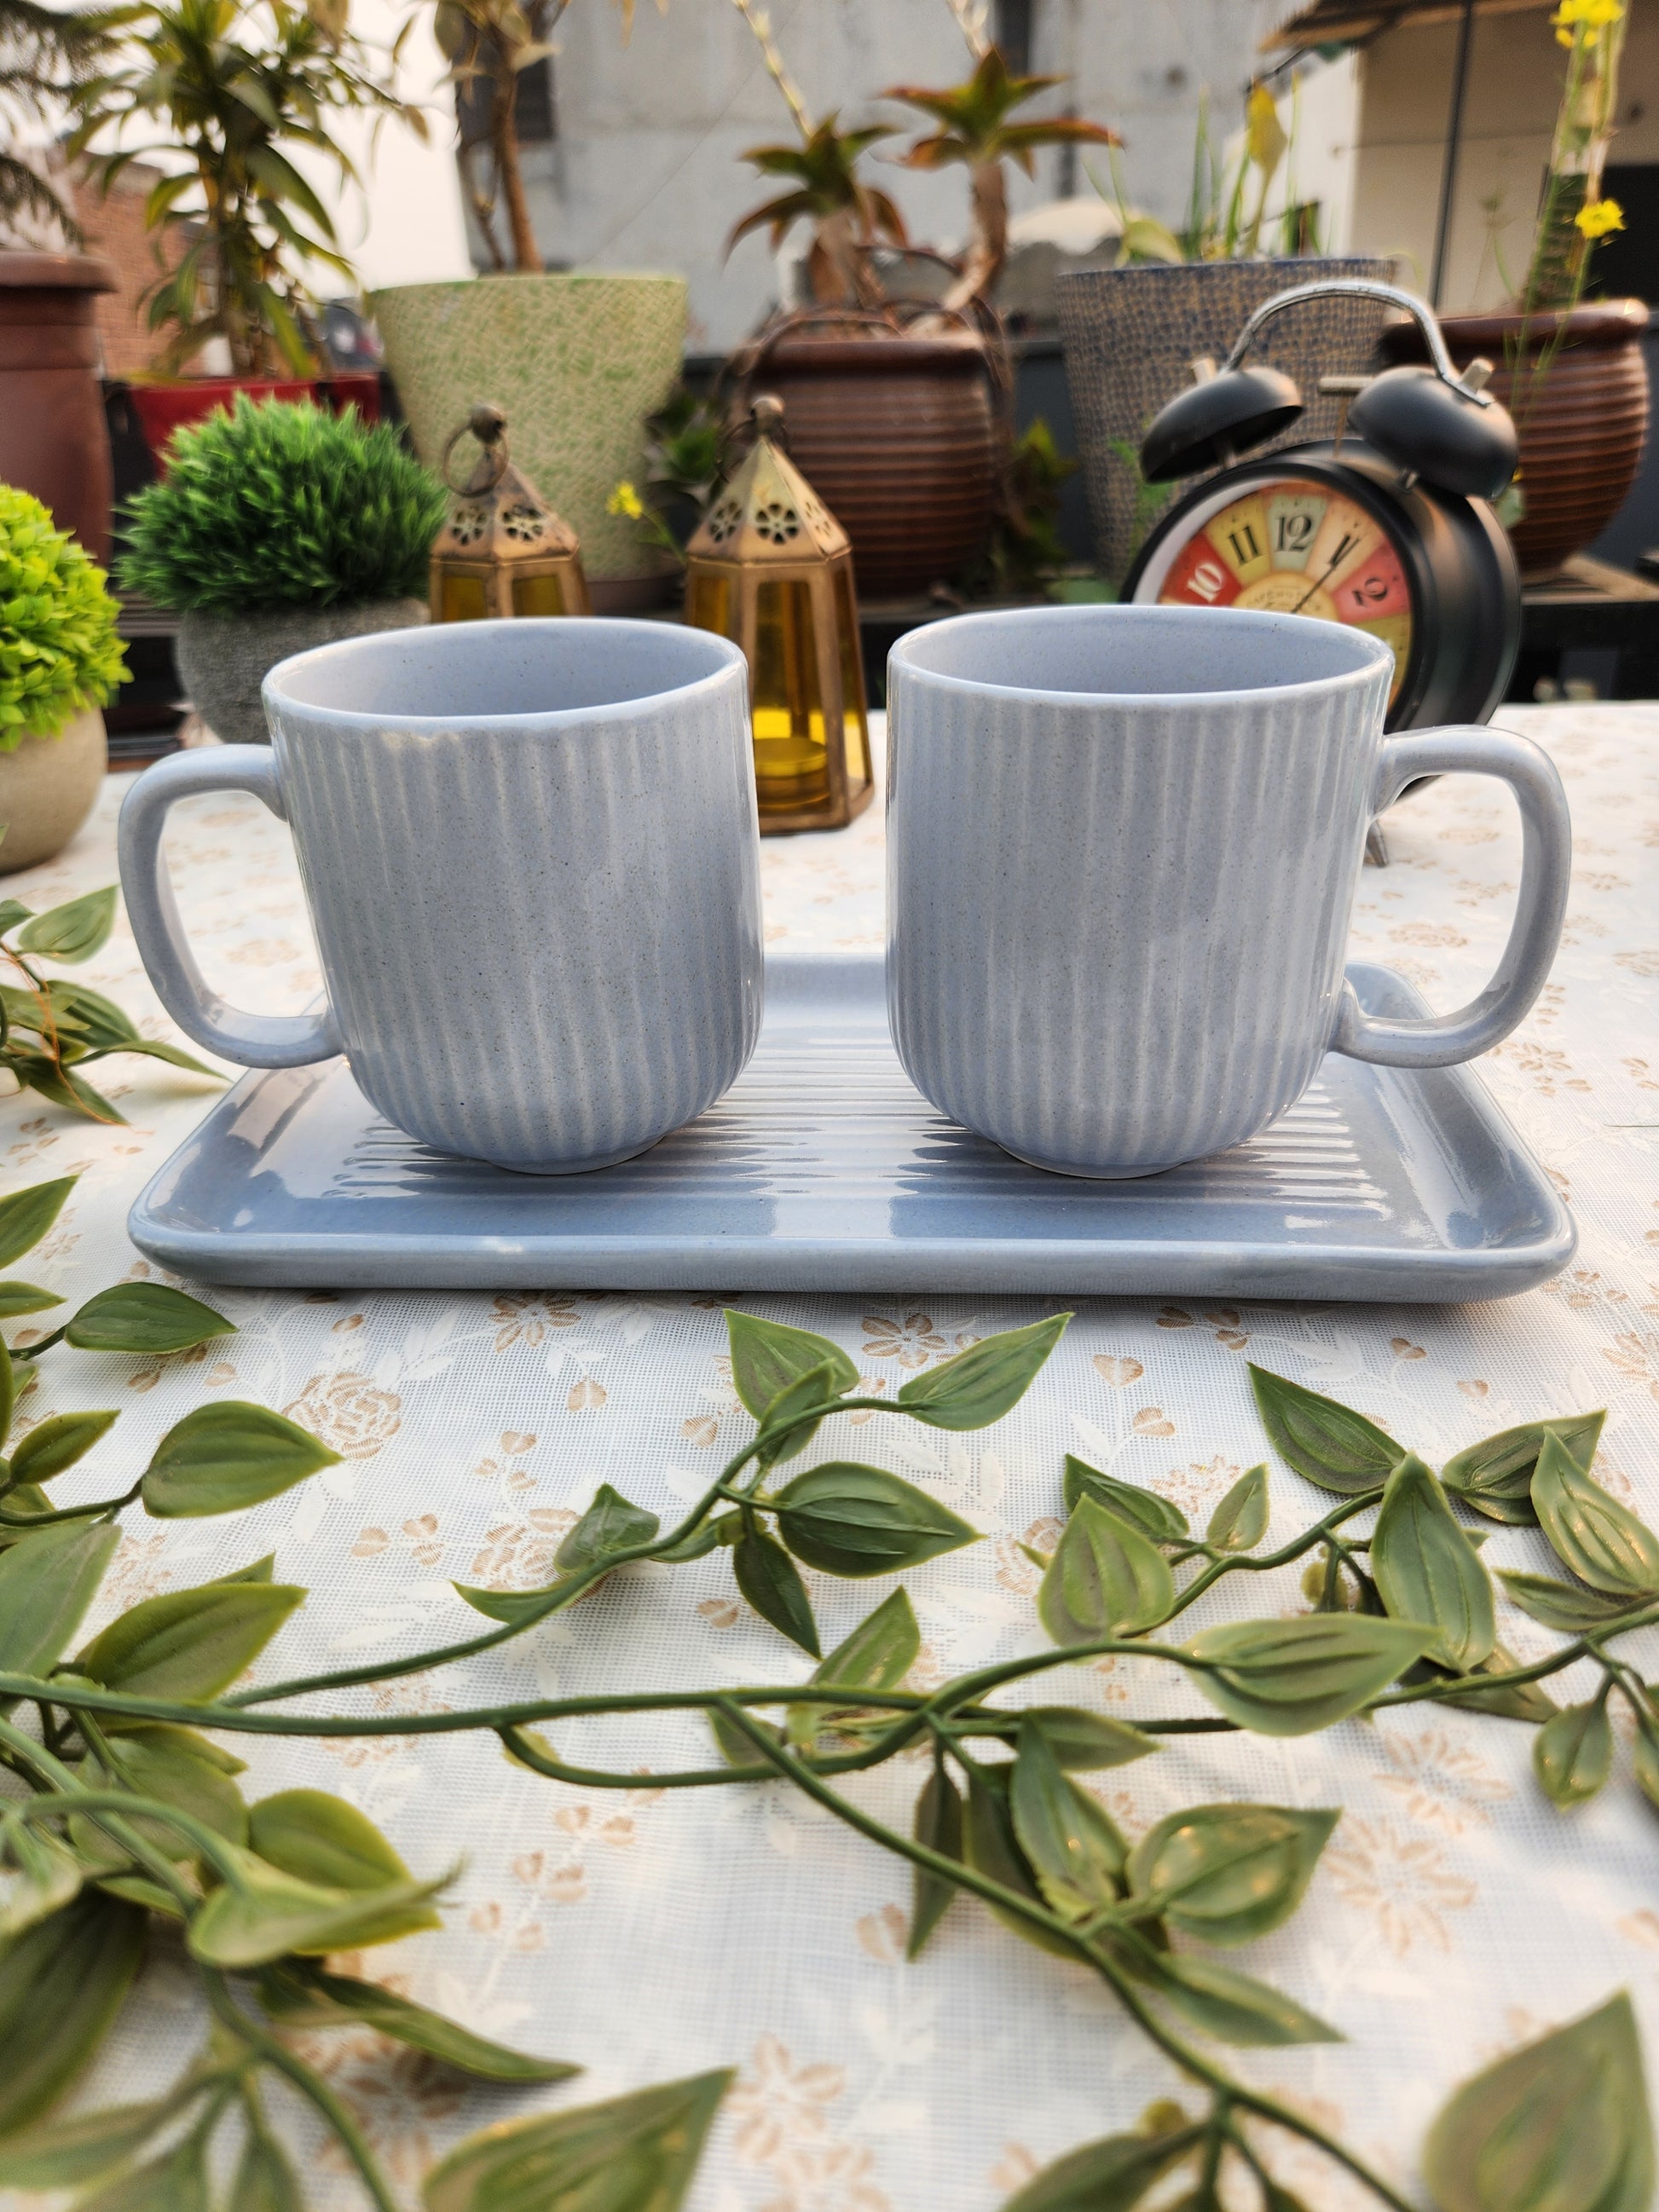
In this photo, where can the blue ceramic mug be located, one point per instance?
(1123, 845)
(531, 858)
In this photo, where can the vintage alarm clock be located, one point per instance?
(1387, 529)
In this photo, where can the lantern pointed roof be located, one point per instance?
(768, 511)
(498, 514)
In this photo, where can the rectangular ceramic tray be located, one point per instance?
(824, 1169)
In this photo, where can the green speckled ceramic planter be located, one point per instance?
(576, 363)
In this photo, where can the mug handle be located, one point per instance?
(251, 1040)
(1441, 1040)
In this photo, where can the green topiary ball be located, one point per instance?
(58, 651)
(280, 505)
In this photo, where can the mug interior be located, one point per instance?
(453, 672)
(1098, 652)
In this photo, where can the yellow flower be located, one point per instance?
(1601, 216)
(1590, 16)
(625, 501)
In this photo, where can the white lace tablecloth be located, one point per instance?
(652, 1935)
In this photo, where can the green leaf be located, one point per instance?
(228, 1455)
(1142, 1509)
(175, 2182)
(1495, 1476)
(1329, 1444)
(320, 1839)
(63, 2154)
(1080, 1740)
(980, 1385)
(771, 1582)
(938, 1824)
(1646, 1749)
(1427, 1571)
(39, 1876)
(736, 1749)
(609, 1524)
(636, 2154)
(991, 1848)
(812, 1388)
(1560, 2125)
(264, 2181)
(1572, 1753)
(260, 1913)
(27, 1215)
(505, 1605)
(7, 1391)
(767, 1357)
(181, 1769)
(1106, 1578)
(1234, 2007)
(188, 1643)
(71, 932)
(62, 1085)
(1563, 1606)
(708, 1536)
(18, 1298)
(1229, 1873)
(58, 1444)
(1112, 2175)
(12, 911)
(46, 1584)
(1240, 1521)
(298, 1994)
(1291, 1677)
(1073, 1848)
(1514, 1701)
(145, 1317)
(61, 1985)
(1590, 1533)
(880, 1652)
(854, 1520)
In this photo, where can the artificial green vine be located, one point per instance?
(123, 1814)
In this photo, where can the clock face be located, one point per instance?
(1293, 545)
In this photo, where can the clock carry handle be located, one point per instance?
(251, 1040)
(1441, 1040)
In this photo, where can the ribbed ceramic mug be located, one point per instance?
(531, 858)
(1123, 844)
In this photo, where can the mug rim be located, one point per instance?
(729, 657)
(1375, 655)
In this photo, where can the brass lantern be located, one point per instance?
(503, 550)
(770, 567)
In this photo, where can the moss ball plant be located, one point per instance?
(58, 651)
(282, 506)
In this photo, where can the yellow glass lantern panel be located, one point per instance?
(792, 763)
(538, 595)
(708, 603)
(465, 598)
(855, 726)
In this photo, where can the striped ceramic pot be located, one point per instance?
(531, 855)
(1123, 843)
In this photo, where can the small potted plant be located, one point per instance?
(895, 408)
(276, 528)
(60, 661)
(239, 91)
(1569, 369)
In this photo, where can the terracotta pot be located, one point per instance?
(1582, 421)
(53, 441)
(901, 437)
(48, 786)
(170, 404)
(1131, 336)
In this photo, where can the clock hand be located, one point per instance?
(1316, 585)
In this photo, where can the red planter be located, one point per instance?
(179, 401)
(52, 439)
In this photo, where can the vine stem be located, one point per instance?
(1222, 2085)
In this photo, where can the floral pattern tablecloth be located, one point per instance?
(651, 1934)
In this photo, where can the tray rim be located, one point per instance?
(1260, 1270)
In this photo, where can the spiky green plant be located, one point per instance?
(59, 650)
(283, 505)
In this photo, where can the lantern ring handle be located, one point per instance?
(488, 426)
(1362, 287)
